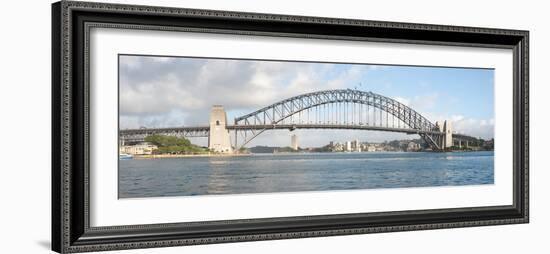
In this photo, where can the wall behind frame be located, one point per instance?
(25, 122)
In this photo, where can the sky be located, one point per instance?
(157, 91)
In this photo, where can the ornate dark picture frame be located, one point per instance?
(71, 22)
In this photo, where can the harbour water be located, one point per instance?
(267, 173)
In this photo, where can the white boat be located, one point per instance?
(125, 156)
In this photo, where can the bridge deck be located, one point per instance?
(151, 131)
(205, 129)
(464, 137)
(328, 126)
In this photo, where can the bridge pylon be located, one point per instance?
(218, 138)
(446, 140)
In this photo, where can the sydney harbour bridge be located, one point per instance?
(344, 109)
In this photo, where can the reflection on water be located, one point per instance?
(300, 172)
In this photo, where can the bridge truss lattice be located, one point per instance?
(337, 109)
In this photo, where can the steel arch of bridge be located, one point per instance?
(275, 114)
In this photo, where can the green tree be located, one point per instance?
(163, 141)
(171, 144)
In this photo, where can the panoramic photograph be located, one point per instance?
(193, 126)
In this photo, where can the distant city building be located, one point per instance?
(371, 148)
(139, 149)
(489, 144)
(391, 146)
(355, 146)
(294, 142)
(412, 146)
(337, 147)
(348, 146)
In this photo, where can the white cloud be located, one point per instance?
(130, 62)
(162, 59)
(405, 101)
(420, 103)
(483, 128)
(377, 67)
(153, 86)
(426, 104)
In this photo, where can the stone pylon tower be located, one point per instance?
(294, 142)
(218, 139)
(448, 138)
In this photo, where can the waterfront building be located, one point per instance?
(337, 147)
(139, 149)
(412, 146)
(348, 146)
(355, 146)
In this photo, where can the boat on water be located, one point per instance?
(125, 156)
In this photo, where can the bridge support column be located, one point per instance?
(218, 139)
(446, 139)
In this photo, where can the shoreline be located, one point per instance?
(168, 156)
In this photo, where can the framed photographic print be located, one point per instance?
(181, 126)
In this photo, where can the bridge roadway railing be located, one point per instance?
(203, 131)
(464, 137)
(136, 135)
(139, 135)
(330, 126)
